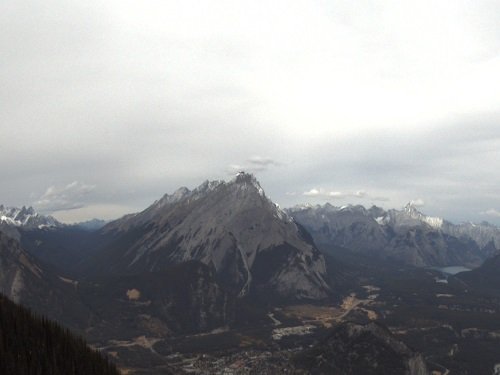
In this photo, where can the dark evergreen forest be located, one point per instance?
(30, 344)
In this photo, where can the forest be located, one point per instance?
(34, 345)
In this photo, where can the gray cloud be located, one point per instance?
(69, 197)
(341, 195)
(260, 161)
(253, 165)
(419, 202)
(141, 98)
(334, 194)
(491, 212)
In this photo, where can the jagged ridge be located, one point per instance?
(26, 217)
(404, 235)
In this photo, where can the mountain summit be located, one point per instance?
(252, 244)
(410, 216)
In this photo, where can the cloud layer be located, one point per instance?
(254, 164)
(492, 213)
(69, 197)
(334, 194)
(394, 98)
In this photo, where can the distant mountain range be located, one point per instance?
(90, 225)
(406, 235)
(14, 219)
(26, 217)
(227, 224)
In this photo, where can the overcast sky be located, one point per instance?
(107, 105)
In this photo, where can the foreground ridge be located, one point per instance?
(30, 344)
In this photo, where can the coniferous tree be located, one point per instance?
(32, 345)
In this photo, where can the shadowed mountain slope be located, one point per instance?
(33, 345)
(361, 349)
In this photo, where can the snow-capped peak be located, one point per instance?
(26, 217)
(411, 210)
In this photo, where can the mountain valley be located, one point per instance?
(219, 279)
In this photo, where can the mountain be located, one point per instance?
(180, 299)
(406, 235)
(486, 235)
(29, 282)
(62, 247)
(26, 217)
(13, 220)
(91, 225)
(486, 277)
(361, 349)
(253, 246)
(30, 344)
(409, 216)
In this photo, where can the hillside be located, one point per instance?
(33, 345)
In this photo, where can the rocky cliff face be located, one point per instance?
(405, 235)
(232, 226)
(362, 349)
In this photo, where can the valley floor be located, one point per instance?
(457, 331)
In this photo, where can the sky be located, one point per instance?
(107, 105)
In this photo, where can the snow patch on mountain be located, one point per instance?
(412, 211)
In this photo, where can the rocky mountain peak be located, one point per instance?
(411, 208)
(244, 177)
(246, 181)
(376, 211)
(27, 211)
(25, 217)
(413, 213)
(251, 243)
